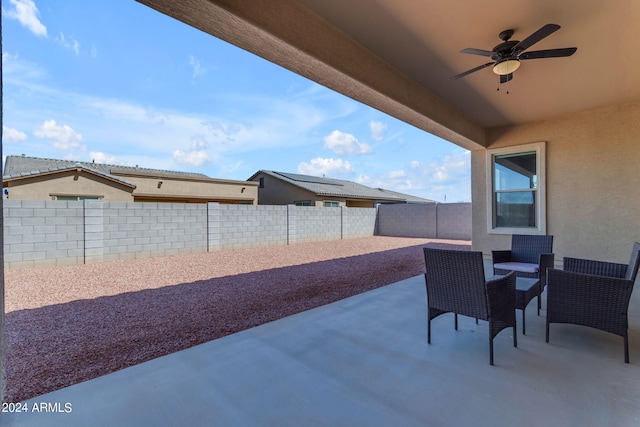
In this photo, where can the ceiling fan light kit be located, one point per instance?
(507, 55)
(506, 67)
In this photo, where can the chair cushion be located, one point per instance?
(524, 267)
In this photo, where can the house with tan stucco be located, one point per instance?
(32, 178)
(283, 188)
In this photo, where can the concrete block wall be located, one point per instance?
(436, 220)
(50, 233)
(241, 226)
(358, 222)
(312, 224)
(407, 220)
(143, 230)
(43, 233)
(454, 221)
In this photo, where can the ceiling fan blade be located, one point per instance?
(505, 78)
(480, 52)
(473, 70)
(550, 53)
(535, 37)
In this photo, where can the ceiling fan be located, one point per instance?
(506, 57)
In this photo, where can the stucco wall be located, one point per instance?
(41, 188)
(593, 183)
(219, 189)
(277, 192)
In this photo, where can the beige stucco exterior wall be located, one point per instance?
(42, 187)
(593, 182)
(277, 192)
(220, 190)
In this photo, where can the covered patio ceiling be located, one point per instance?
(399, 55)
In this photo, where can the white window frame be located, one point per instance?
(540, 191)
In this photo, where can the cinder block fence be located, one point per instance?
(50, 233)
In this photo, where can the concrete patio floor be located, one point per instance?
(364, 361)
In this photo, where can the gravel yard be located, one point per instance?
(69, 324)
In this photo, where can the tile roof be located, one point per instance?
(341, 188)
(22, 166)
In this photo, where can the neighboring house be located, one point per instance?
(280, 188)
(31, 178)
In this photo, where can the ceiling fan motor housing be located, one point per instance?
(504, 50)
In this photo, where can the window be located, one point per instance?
(516, 190)
(303, 203)
(261, 185)
(331, 204)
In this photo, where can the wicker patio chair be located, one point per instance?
(456, 284)
(529, 256)
(593, 293)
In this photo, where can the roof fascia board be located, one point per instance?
(76, 170)
(133, 174)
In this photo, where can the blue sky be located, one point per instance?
(119, 83)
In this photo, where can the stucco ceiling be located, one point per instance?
(423, 40)
(408, 50)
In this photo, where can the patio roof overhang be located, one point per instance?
(399, 55)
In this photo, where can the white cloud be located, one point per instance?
(345, 143)
(16, 70)
(445, 179)
(196, 156)
(192, 158)
(363, 179)
(26, 12)
(397, 174)
(377, 130)
(63, 137)
(100, 157)
(199, 143)
(325, 167)
(12, 135)
(198, 70)
(69, 43)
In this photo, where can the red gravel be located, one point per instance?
(69, 324)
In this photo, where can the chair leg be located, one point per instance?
(515, 336)
(539, 303)
(429, 331)
(455, 315)
(490, 348)
(523, 324)
(626, 348)
(547, 334)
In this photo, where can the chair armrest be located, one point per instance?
(600, 268)
(546, 262)
(501, 256)
(501, 297)
(586, 299)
